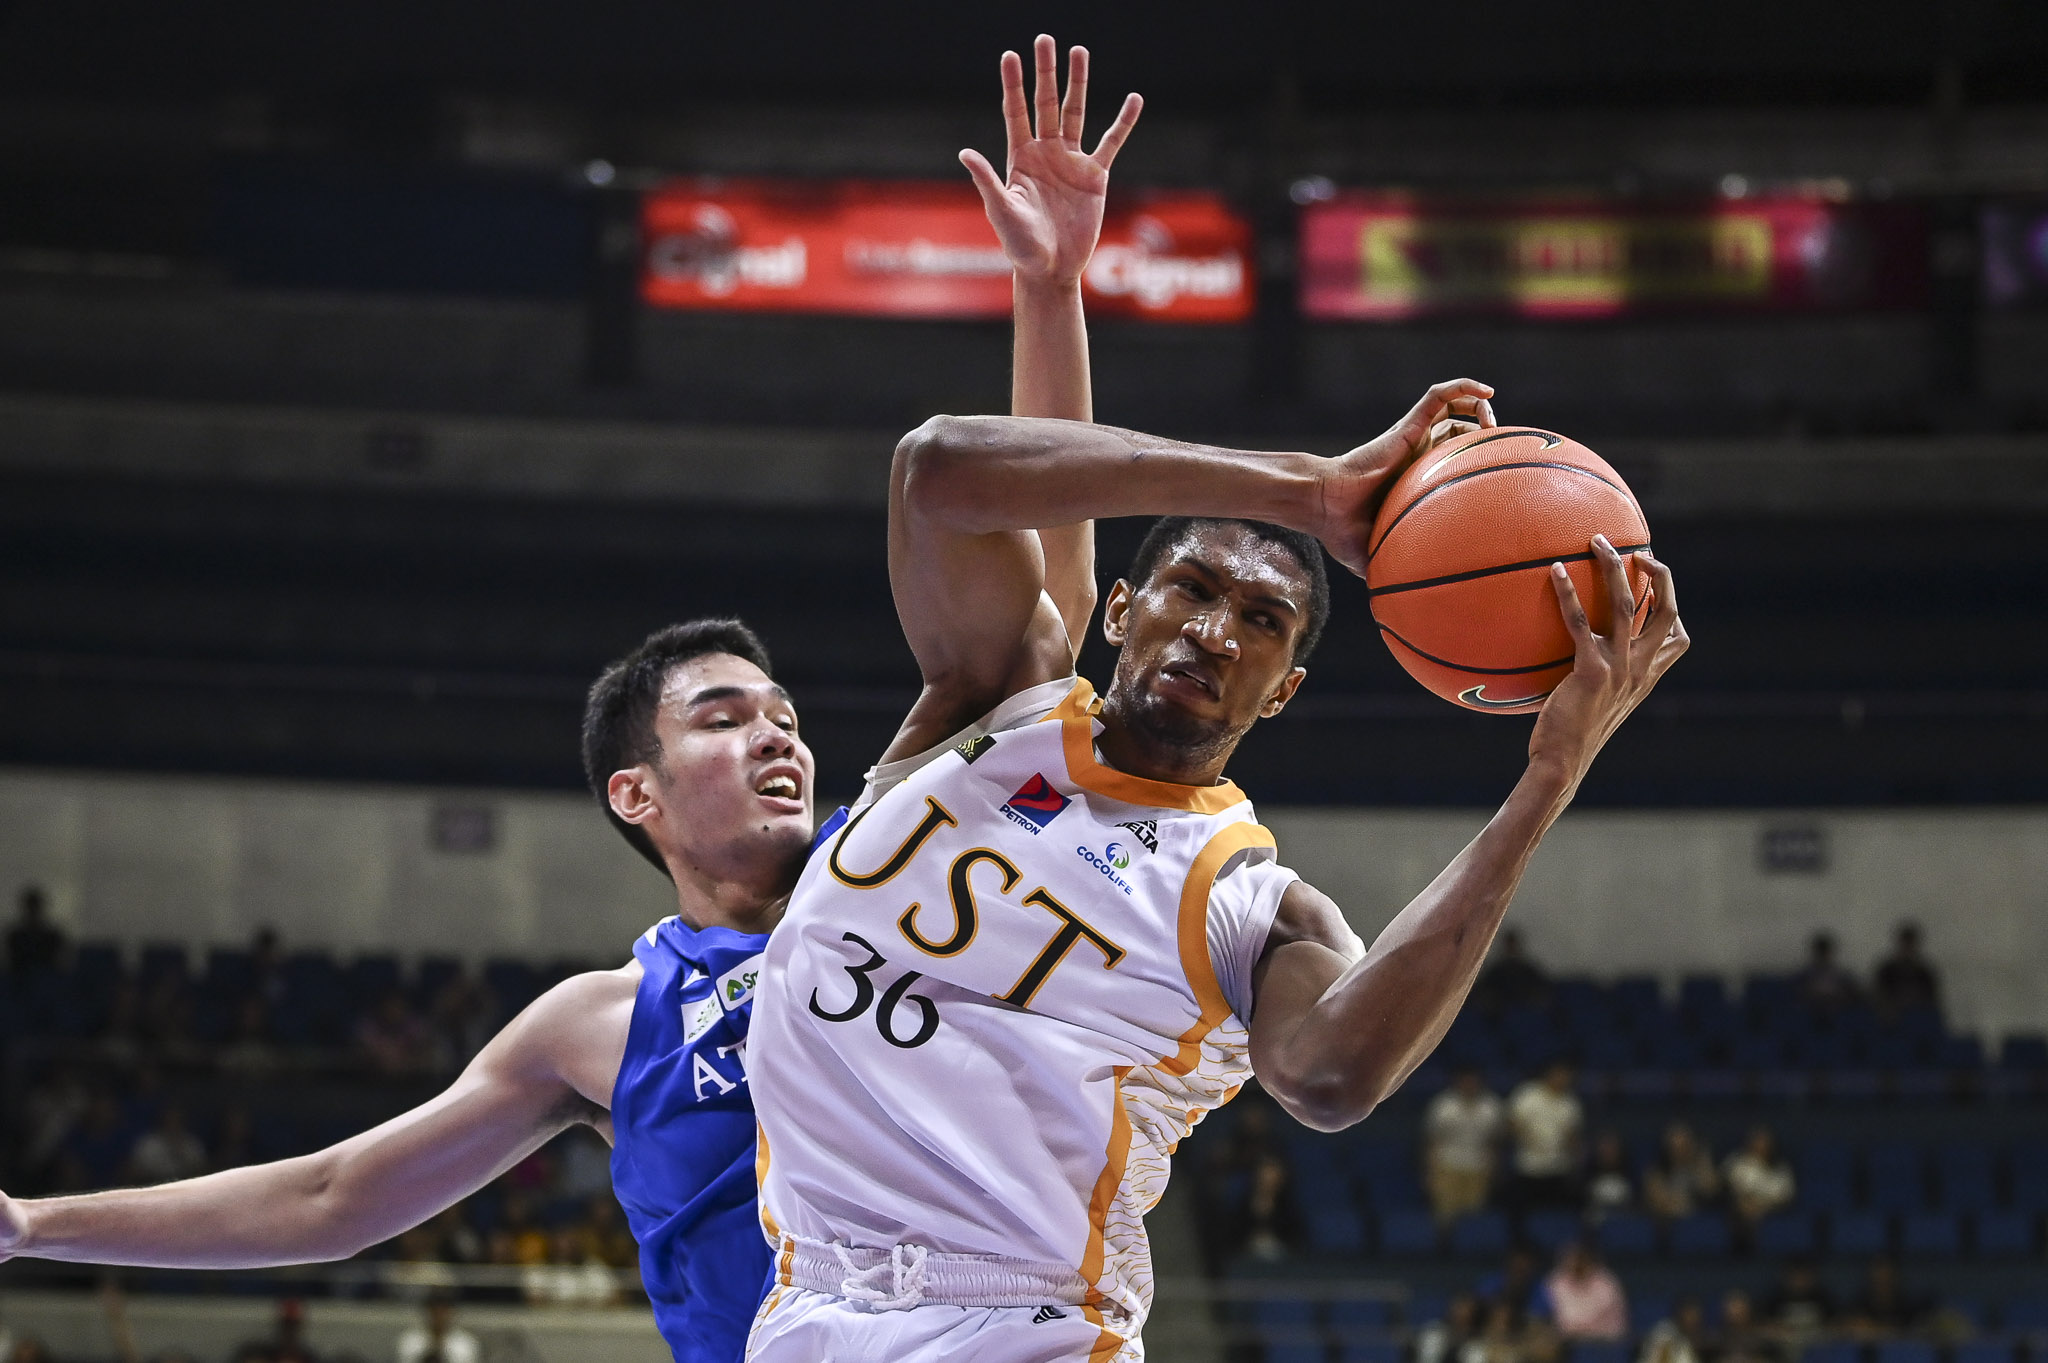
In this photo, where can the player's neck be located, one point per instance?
(704, 901)
(1132, 747)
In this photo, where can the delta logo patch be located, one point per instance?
(1035, 804)
(973, 748)
(1145, 831)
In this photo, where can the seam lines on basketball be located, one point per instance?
(1373, 552)
(1524, 566)
(1481, 671)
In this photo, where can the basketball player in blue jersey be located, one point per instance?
(694, 753)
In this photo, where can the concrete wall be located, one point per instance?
(138, 858)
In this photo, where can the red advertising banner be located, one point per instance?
(1387, 257)
(916, 249)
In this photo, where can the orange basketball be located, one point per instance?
(1459, 562)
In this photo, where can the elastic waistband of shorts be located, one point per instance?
(942, 1279)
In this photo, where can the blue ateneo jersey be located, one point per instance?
(683, 1138)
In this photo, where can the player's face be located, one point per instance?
(734, 770)
(1208, 642)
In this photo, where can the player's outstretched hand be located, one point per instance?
(1355, 484)
(13, 1228)
(1613, 669)
(1047, 207)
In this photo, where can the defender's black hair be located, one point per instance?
(618, 718)
(1166, 534)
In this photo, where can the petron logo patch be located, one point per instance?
(1145, 831)
(973, 748)
(1035, 804)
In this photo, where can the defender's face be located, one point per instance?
(1208, 642)
(734, 777)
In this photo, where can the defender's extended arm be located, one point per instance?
(1336, 1027)
(553, 1065)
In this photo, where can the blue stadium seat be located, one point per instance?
(369, 977)
(435, 973)
(1964, 1052)
(1855, 1086)
(1296, 1353)
(2006, 1234)
(1638, 996)
(1983, 1351)
(1832, 1351)
(2030, 1176)
(1371, 1351)
(1552, 1231)
(1609, 1051)
(1825, 1176)
(1479, 1235)
(1756, 1051)
(1361, 1316)
(2026, 1315)
(1424, 1307)
(1334, 1226)
(1279, 1316)
(1627, 1236)
(1645, 1313)
(1704, 1235)
(1787, 1235)
(1395, 1189)
(96, 963)
(1896, 1178)
(1931, 1235)
(1656, 1087)
(1966, 1175)
(1698, 992)
(2026, 1052)
(1599, 1351)
(1407, 1233)
(1905, 1351)
(1857, 1235)
(163, 958)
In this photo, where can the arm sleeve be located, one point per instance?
(1241, 909)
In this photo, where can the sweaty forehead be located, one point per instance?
(1240, 554)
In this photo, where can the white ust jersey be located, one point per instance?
(1002, 995)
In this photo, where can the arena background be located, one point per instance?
(349, 422)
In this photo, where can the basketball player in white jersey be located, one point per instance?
(1052, 935)
(693, 750)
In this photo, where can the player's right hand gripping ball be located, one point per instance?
(1459, 566)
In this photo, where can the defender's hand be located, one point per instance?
(1612, 670)
(13, 1228)
(1047, 210)
(1355, 484)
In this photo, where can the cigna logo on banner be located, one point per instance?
(1146, 270)
(713, 256)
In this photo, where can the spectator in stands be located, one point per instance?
(1905, 981)
(1461, 1133)
(1586, 1300)
(1452, 1339)
(518, 1239)
(1270, 1226)
(29, 1349)
(1517, 1285)
(457, 1241)
(1547, 1121)
(1886, 1307)
(420, 1270)
(1799, 1309)
(605, 1232)
(1610, 1186)
(1681, 1337)
(1511, 1336)
(572, 1276)
(393, 1038)
(438, 1339)
(51, 1111)
(33, 946)
(1824, 986)
(463, 1017)
(167, 1151)
(1741, 1339)
(266, 967)
(286, 1344)
(1513, 980)
(1682, 1179)
(250, 1048)
(1760, 1179)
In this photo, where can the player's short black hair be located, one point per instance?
(1166, 533)
(618, 717)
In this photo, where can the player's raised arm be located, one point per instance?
(966, 493)
(1336, 1027)
(1047, 213)
(545, 1071)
